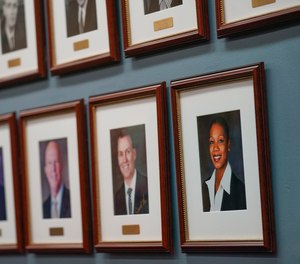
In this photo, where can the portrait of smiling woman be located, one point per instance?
(222, 173)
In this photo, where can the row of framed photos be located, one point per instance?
(83, 33)
(217, 143)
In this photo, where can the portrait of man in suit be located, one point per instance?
(13, 30)
(2, 190)
(222, 170)
(81, 16)
(151, 6)
(56, 203)
(129, 170)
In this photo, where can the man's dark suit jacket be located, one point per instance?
(72, 17)
(141, 205)
(20, 33)
(65, 211)
(154, 5)
(235, 201)
(2, 204)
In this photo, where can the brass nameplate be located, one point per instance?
(14, 63)
(131, 229)
(163, 24)
(80, 45)
(257, 3)
(56, 231)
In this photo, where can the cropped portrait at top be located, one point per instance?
(55, 178)
(2, 190)
(221, 156)
(151, 6)
(13, 29)
(81, 16)
(129, 169)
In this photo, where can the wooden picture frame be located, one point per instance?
(11, 228)
(22, 58)
(56, 183)
(148, 228)
(245, 16)
(147, 29)
(220, 119)
(74, 47)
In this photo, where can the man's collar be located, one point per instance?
(84, 5)
(133, 181)
(59, 194)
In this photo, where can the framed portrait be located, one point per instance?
(150, 25)
(237, 17)
(21, 45)
(11, 235)
(131, 188)
(82, 34)
(56, 188)
(224, 190)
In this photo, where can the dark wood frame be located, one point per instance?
(41, 70)
(201, 33)
(253, 23)
(78, 108)
(10, 120)
(159, 92)
(256, 72)
(112, 56)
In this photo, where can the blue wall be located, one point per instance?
(278, 48)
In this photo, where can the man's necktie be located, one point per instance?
(54, 209)
(129, 191)
(81, 26)
(12, 42)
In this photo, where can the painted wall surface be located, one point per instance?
(278, 48)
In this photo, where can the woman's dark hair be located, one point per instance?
(222, 122)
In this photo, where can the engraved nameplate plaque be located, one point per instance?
(14, 63)
(56, 231)
(163, 24)
(80, 45)
(131, 229)
(257, 3)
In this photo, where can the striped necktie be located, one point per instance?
(81, 24)
(11, 42)
(54, 209)
(129, 191)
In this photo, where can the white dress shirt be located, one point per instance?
(216, 200)
(58, 199)
(82, 9)
(164, 4)
(10, 34)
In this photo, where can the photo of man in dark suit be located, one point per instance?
(151, 6)
(2, 192)
(81, 16)
(131, 197)
(57, 204)
(13, 30)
